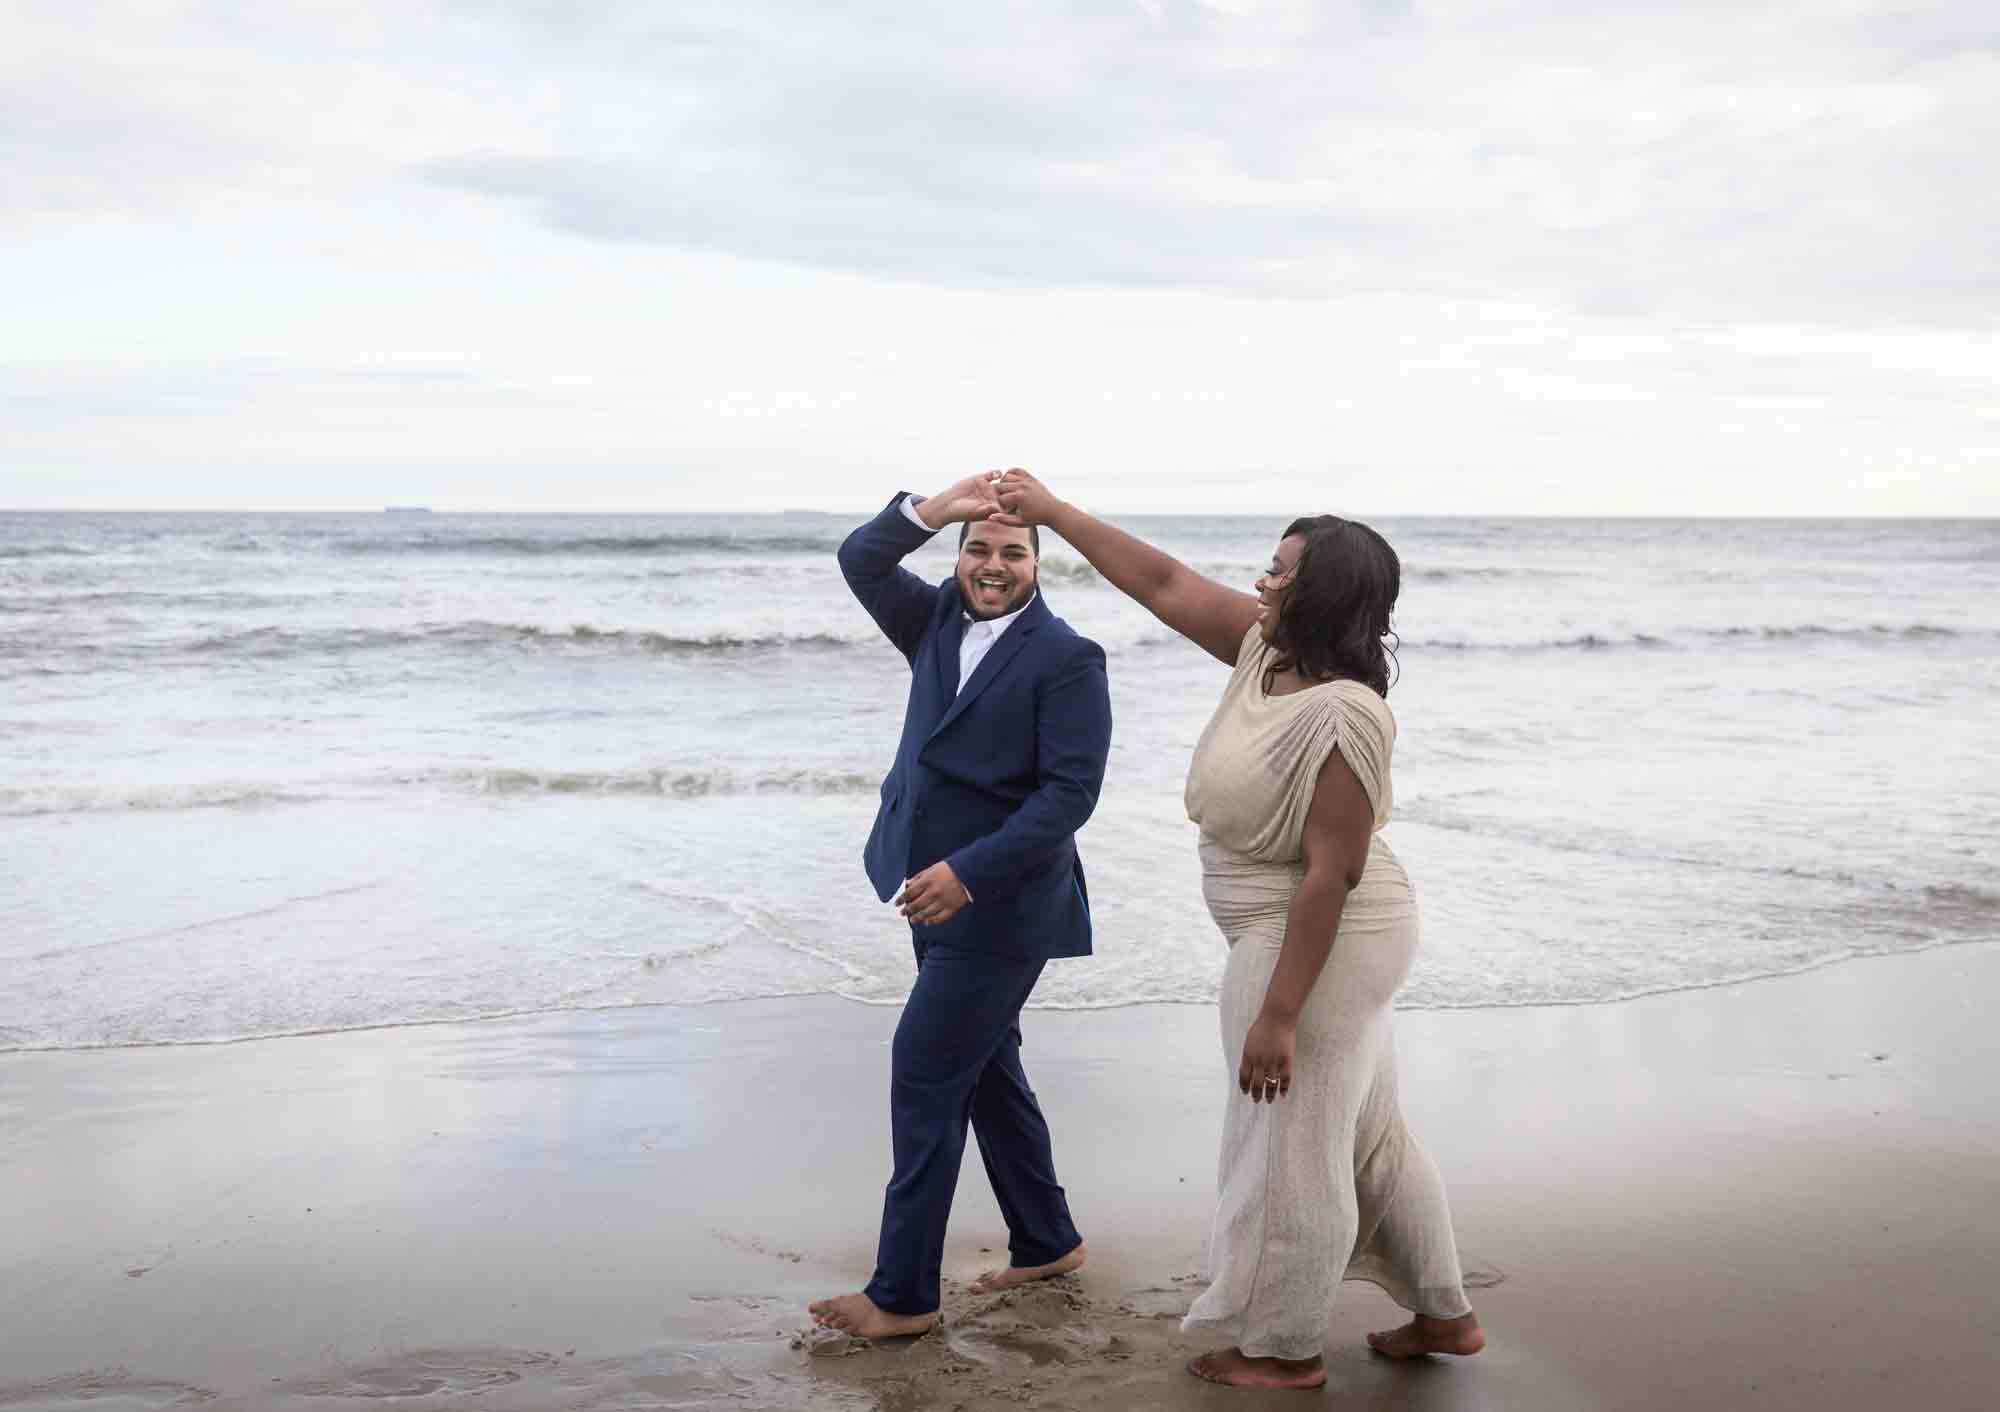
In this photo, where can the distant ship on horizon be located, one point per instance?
(406, 510)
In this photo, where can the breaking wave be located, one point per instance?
(31, 802)
(1686, 638)
(44, 551)
(589, 545)
(289, 642)
(1074, 571)
(665, 782)
(1876, 632)
(672, 783)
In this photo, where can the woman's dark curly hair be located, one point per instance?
(1334, 618)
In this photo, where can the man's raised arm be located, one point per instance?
(871, 557)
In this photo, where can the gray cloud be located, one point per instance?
(1712, 162)
(1778, 161)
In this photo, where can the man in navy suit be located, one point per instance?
(1002, 756)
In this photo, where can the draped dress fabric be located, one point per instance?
(1327, 1182)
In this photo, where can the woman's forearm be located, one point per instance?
(1133, 566)
(1310, 925)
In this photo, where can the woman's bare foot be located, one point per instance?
(1423, 1334)
(860, 1316)
(1233, 1368)
(993, 1281)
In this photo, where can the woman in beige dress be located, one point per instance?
(1319, 1179)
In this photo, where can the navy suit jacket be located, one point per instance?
(996, 778)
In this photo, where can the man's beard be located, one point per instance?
(1013, 603)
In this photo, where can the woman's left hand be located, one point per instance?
(1266, 1071)
(1024, 500)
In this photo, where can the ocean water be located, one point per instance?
(271, 774)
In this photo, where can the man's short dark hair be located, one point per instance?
(1034, 535)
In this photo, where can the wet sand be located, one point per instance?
(1775, 1195)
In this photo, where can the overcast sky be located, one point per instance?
(1536, 256)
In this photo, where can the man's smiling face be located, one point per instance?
(996, 569)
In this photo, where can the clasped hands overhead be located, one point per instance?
(1010, 497)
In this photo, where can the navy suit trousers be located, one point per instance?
(957, 1060)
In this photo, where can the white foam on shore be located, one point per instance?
(397, 920)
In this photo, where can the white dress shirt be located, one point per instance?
(980, 633)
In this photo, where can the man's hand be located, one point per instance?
(973, 498)
(932, 896)
(1025, 500)
(1265, 1072)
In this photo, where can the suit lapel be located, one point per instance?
(950, 639)
(996, 659)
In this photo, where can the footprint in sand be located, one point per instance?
(829, 1343)
(424, 1374)
(756, 1246)
(1047, 1302)
(1484, 1276)
(706, 1388)
(737, 1316)
(102, 1392)
(1004, 1345)
(1047, 1323)
(1155, 1302)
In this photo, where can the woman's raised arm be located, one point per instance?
(1211, 616)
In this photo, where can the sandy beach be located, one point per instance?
(1771, 1195)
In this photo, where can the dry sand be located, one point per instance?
(1775, 1195)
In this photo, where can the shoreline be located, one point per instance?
(1704, 1195)
(375, 510)
(696, 1006)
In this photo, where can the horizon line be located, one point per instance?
(401, 512)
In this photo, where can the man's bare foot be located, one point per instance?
(860, 1316)
(1233, 1368)
(1423, 1334)
(993, 1281)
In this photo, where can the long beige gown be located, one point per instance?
(1327, 1181)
